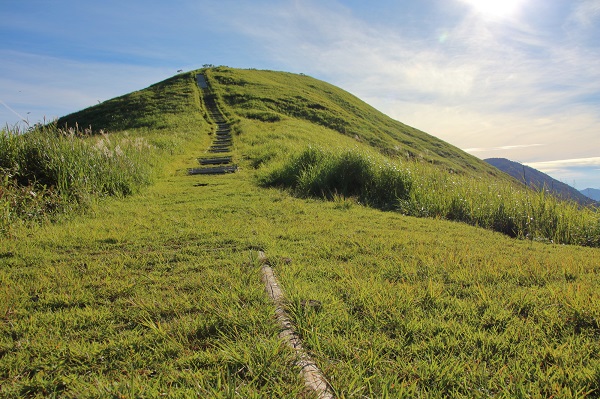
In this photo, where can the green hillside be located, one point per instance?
(151, 287)
(283, 100)
(277, 97)
(165, 105)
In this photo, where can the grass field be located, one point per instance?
(158, 293)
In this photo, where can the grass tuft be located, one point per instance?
(350, 173)
(48, 171)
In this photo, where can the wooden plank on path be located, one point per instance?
(313, 377)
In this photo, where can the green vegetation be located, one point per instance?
(56, 169)
(286, 100)
(349, 174)
(158, 293)
(47, 173)
(420, 190)
(421, 308)
(153, 295)
(172, 104)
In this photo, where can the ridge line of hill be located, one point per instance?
(538, 180)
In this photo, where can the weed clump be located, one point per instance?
(47, 171)
(350, 173)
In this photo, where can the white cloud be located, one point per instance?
(579, 172)
(478, 65)
(506, 87)
(505, 147)
(486, 85)
(562, 163)
(585, 13)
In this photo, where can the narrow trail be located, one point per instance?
(219, 161)
(216, 162)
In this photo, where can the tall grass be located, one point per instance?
(369, 178)
(47, 171)
(418, 189)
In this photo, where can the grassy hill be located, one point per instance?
(157, 292)
(286, 100)
(165, 105)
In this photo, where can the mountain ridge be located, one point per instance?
(592, 193)
(539, 181)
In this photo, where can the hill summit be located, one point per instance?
(292, 104)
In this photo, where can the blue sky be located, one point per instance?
(518, 79)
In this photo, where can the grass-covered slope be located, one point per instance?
(113, 148)
(359, 152)
(286, 100)
(276, 116)
(169, 104)
(302, 109)
(159, 295)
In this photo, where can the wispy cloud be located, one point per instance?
(579, 172)
(58, 86)
(486, 85)
(585, 13)
(562, 163)
(505, 147)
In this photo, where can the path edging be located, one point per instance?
(313, 377)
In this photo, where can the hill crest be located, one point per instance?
(251, 96)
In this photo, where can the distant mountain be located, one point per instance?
(592, 193)
(539, 180)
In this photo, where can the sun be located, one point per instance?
(495, 9)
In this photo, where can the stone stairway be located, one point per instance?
(216, 161)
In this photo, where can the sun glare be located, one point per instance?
(495, 8)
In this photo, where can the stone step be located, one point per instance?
(218, 170)
(223, 139)
(214, 161)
